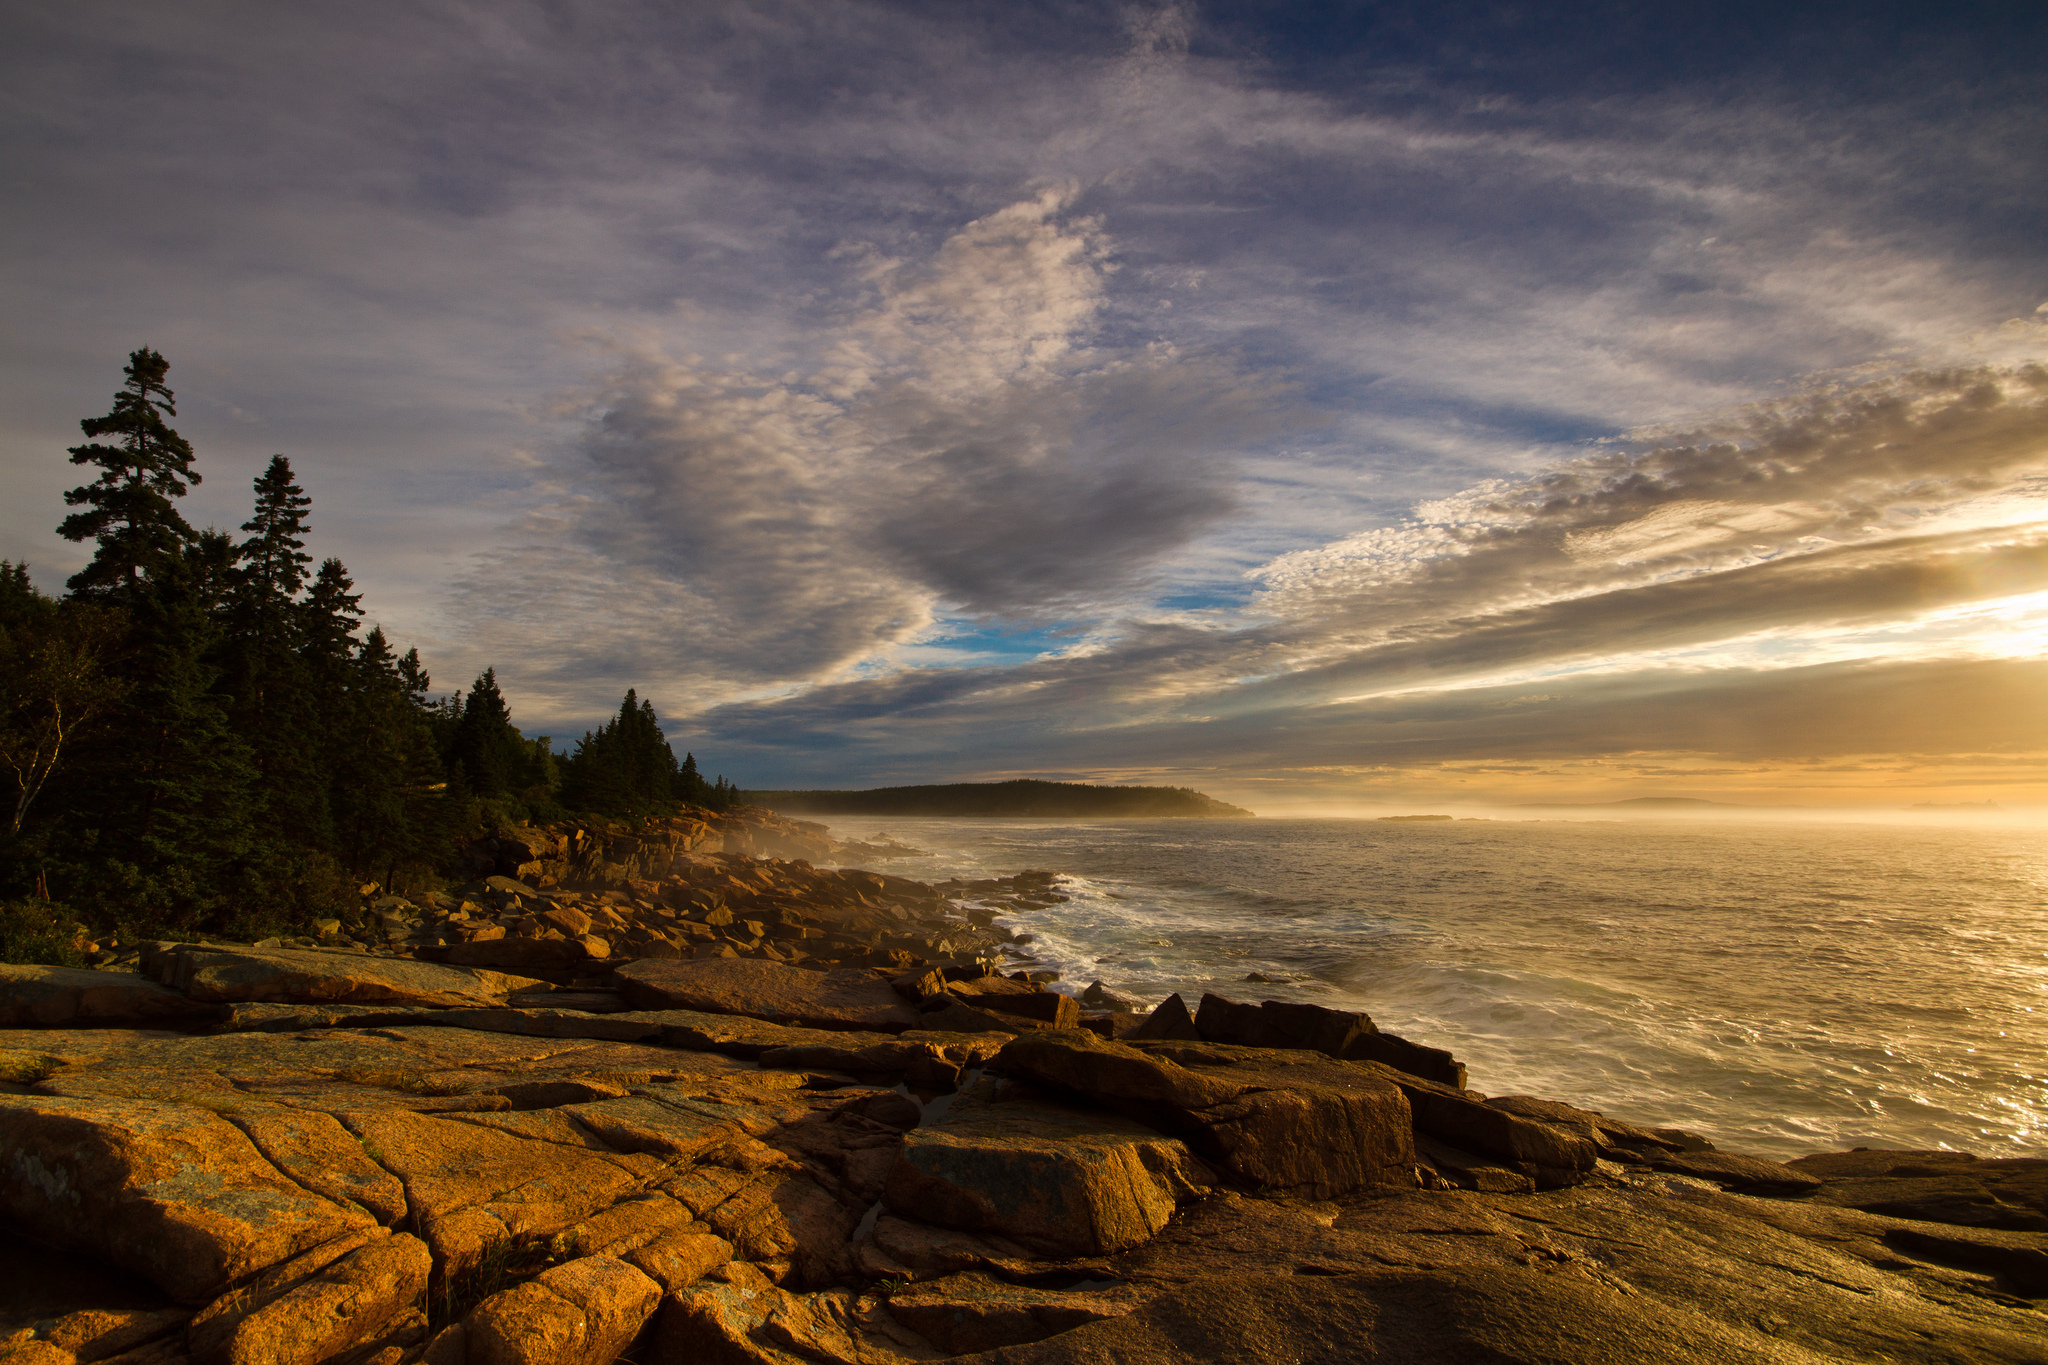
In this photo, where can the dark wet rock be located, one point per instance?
(1099, 997)
(1345, 1035)
(173, 1193)
(1429, 1063)
(1276, 1023)
(845, 998)
(56, 997)
(1169, 1019)
(1060, 1180)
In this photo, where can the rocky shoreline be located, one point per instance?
(675, 1095)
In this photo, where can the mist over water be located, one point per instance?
(1781, 988)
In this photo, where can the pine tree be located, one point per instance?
(496, 759)
(130, 512)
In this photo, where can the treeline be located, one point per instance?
(198, 737)
(989, 800)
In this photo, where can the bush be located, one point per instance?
(44, 932)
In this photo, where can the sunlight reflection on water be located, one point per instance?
(1781, 988)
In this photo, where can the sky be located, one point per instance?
(1313, 404)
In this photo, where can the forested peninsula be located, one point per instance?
(989, 800)
(199, 737)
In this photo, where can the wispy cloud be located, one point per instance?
(776, 356)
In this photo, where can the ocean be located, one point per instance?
(1780, 988)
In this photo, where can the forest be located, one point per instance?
(199, 737)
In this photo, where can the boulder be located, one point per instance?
(314, 1307)
(1546, 1154)
(1048, 1008)
(1169, 1019)
(175, 1194)
(55, 997)
(1268, 1118)
(1430, 1063)
(314, 976)
(583, 1312)
(844, 998)
(1060, 1180)
(1276, 1023)
(1342, 1034)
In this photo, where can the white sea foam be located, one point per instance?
(1779, 988)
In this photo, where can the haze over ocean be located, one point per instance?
(1781, 988)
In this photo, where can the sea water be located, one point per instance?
(1779, 988)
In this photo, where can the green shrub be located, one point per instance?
(39, 931)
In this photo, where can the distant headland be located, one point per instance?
(1025, 797)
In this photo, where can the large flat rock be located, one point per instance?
(469, 1187)
(1056, 1178)
(174, 1193)
(52, 997)
(846, 998)
(1268, 1118)
(311, 976)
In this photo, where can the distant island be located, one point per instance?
(1026, 797)
(1633, 803)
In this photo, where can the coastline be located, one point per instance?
(757, 1151)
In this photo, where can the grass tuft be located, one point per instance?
(503, 1264)
(25, 1070)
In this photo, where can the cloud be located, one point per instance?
(917, 325)
(1900, 522)
(962, 444)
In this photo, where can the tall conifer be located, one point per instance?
(129, 506)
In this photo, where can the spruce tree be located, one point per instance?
(496, 759)
(129, 506)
